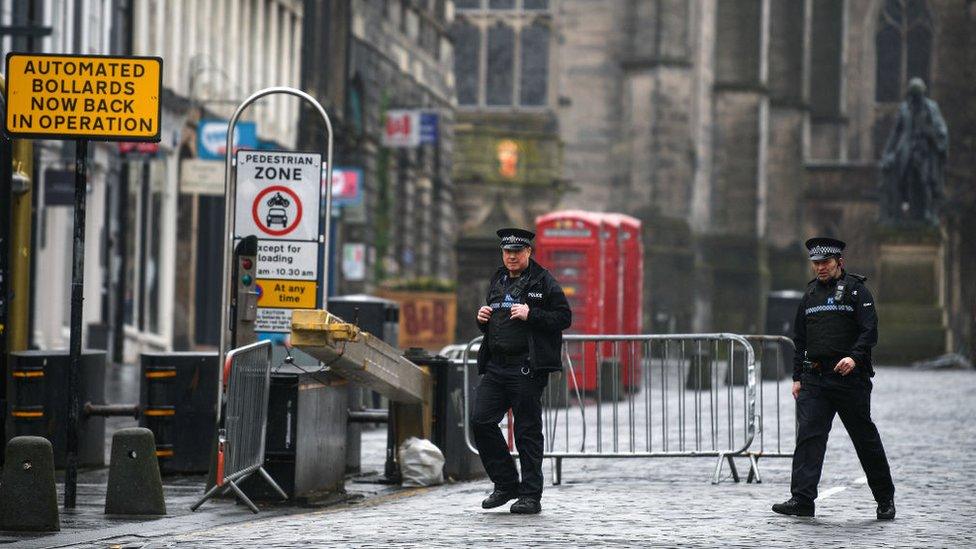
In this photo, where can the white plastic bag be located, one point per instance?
(421, 463)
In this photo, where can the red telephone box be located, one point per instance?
(632, 277)
(612, 273)
(598, 260)
(631, 297)
(569, 244)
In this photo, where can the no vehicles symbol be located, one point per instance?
(277, 210)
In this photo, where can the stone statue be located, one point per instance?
(913, 163)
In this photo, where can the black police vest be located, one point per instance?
(507, 337)
(831, 326)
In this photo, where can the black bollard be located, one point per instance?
(134, 484)
(28, 499)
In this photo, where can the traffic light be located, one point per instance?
(244, 302)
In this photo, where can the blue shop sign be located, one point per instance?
(212, 138)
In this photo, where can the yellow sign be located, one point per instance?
(427, 319)
(287, 294)
(92, 97)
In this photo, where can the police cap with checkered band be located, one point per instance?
(515, 239)
(821, 248)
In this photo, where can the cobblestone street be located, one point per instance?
(924, 418)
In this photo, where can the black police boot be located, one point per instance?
(795, 507)
(886, 509)
(498, 498)
(526, 506)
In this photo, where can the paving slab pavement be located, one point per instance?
(925, 419)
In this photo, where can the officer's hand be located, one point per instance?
(845, 366)
(484, 314)
(520, 311)
(796, 389)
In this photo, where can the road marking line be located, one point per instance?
(862, 480)
(831, 491)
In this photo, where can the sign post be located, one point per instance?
(79, 98)
(277, 214)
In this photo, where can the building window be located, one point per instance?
(467, 48)
(501, 53)
(904, 47)
(501, 64)
(143, 246)
(501, 4)
(535, 64)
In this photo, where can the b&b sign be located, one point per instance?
(92, 97)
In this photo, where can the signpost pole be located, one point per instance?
(230, 195)
(77, 296)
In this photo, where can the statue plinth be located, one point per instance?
(910, 290)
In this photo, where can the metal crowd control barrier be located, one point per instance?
(774, 367)
(241, 450)
(649, 396)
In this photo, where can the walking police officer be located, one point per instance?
(836, 327)
(523, 321)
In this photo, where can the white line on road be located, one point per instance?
(831, 491)
(837, 489)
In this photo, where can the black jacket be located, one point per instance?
(549, 315)
(828, 329)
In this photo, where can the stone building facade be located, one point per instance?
(397, 56)
(509, 154)
(736, 129)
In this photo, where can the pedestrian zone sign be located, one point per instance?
(94, 97)
(278, 200)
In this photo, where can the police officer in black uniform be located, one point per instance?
(836, 327)
(523, 321)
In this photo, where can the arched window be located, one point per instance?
(904, 47)
(501, 53)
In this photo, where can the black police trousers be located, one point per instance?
(821, 396)
(503, 387)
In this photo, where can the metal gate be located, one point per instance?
(683, 395)
(776, 408)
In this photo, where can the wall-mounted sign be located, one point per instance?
(347, 186)
(212, 138)
(92, 97)
(354, 262)
(409, 128)
(428, 127)
(203, 177)
(138, 148)
(401, 129)
(59, 187)
(427, 319)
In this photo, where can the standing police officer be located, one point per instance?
(836, 327)
(523, 321)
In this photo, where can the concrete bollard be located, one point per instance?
(134, 484)
(28, 498)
